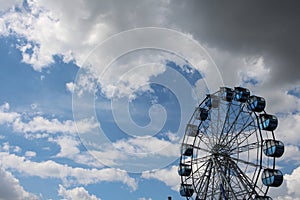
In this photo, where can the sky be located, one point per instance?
(95, 94)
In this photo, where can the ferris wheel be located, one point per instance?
(229, 148)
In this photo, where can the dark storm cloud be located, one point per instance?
(244, 28)
(247, 28)
(268, 28)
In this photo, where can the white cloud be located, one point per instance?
(288, 130)
(7, 117)
(293, 182)
(235, 68)
(127, 80)
(133, 154)
(173, 137)
(39, 124)
(17, 149)
(278, 101)
(5, 107)
(77, 193)
(5, 147)
(291, 153)
(8, 148)
(44, 33)
(289, 189)
(53, 29)
(255, 71)
(168, 176)
(69, 175)
(86, 125)
(10, 188)
(70, 86)
(68, 146)
(115, 154)
(4, 5)
(30, 154)
(143, 146)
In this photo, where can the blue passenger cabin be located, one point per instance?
(268, 122)
(272, 177)
(273, 148)
(262, 198)
(187, 150)
(184, 169)
(227, 94)
(203, 114)
(241, 94)
(256, 104)
(186, 190)
(212, 101)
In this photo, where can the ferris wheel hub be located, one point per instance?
(220, 149)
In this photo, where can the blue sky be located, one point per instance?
(88, 111)
(30, 94)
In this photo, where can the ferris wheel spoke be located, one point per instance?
(245, 162)
(201, 138)
(242, 125)
(239, 133)
(233, 123)
(225, 121)
(202, 149)
(206, 133)
(244, 179)
(201, 159)
(200, 167)
(203, 184)
(246, 124)
(208, 181)
(245, 148)
(213, 181)
(243, 189)
(238, 188)
(210, 132)
(222, 178)
(245, 138)
(241, 149)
